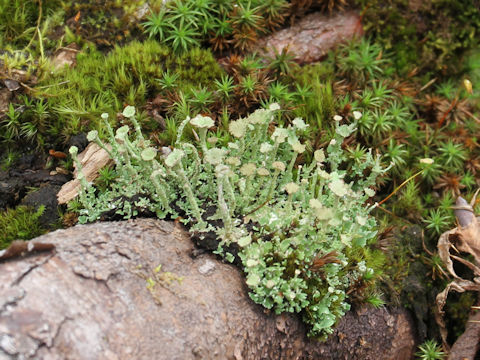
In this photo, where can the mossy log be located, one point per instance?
(139, 290)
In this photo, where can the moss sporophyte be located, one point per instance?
(283, 218)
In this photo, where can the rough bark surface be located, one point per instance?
(468, 344)
(88, 299)
(313, 36)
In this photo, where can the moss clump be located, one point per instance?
(183, 24)
(127, 75)
(318, 102)
(105, 22)
(428, 34)
(195, 68)
(20, 223)
(19, 19)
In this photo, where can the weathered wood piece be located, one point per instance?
(134, 290)
(313, 36)
(93, 158)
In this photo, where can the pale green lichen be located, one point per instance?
(282, 217)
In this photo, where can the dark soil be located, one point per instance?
(29, 182)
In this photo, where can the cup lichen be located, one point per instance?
(281, 217)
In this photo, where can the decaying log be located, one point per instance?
(135, 290)
(312, 37)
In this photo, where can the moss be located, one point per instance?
(19, 223)
(195, 68)
(408, 203)
(374, 259)
(318, 106)
(105, 22)
(8, 159)
(18, 20)
(430, 35)
(127, 75)
(472, 72)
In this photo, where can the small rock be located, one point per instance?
(79, 140)
(9, 191)
(47, 196)
(207, 267)
(7, 343)
(60, 170)
(66, 57)
(141, 12)
(11, 85)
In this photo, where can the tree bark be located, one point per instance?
(313, 36)
(136, 290)
(467, 345)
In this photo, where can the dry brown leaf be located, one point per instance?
(464, 238)
(459, 285)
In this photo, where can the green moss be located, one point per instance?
(361, 61)
(18, 20)
(195, 68)
(183, 24)
(8, 159)
(408, 203)
(127, 75)
(105, 22)
(373, 259)
(430, 35)
(24, 126)
(19, 223)
(317, 106)
(472, 72)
